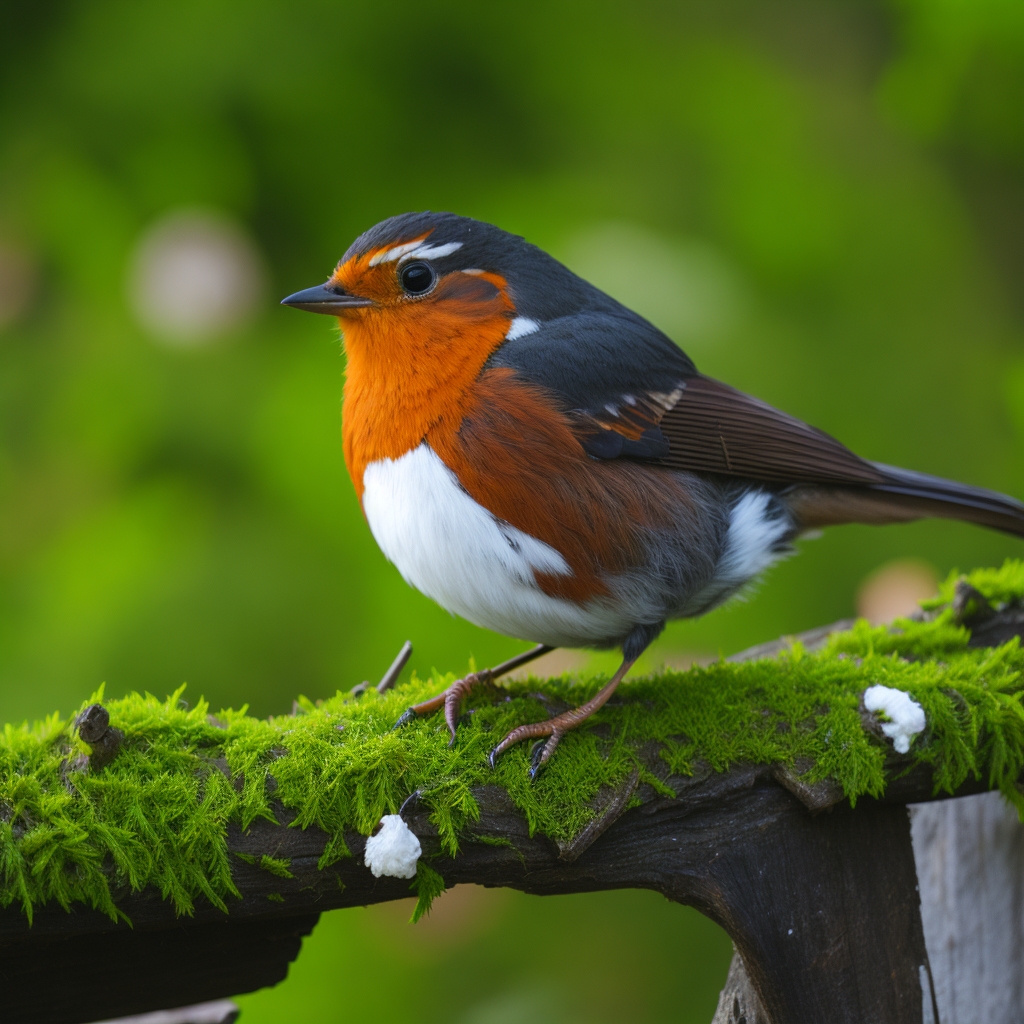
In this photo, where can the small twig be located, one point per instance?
(519, 660)
(391, 676)
(94, 728)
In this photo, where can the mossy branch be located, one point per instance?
(685, 784)
(171, 824)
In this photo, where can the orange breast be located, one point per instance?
(411, 366)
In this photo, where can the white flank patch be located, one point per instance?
(750, 546)
(906, 716)
(471, 563)
(520, 327)
(394, 850)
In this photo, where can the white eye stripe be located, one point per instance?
(417, 250)
(393, 254)
(431, 252)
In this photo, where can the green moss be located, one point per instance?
(275, 865)
(999, 587)
(158, 814)
(428, 885)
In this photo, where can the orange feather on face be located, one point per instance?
(412, 360)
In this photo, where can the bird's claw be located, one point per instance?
(407, 716)
(537, 758)
(539, 752)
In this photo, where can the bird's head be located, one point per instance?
(403, 264)
(424, 300)
(438, 273)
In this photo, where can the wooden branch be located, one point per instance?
(738, 847)
(820, 899)
(785, 884)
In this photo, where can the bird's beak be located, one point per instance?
(325, 298)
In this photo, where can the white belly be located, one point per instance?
(471, 563)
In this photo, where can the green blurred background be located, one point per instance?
(822, 201)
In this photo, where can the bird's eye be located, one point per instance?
(417, 278)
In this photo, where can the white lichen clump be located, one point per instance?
(906, 716)
(394, 850)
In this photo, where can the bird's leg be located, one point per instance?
(452, 697)
(555, 728)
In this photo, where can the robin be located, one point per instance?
(544, 462)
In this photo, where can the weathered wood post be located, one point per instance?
(969, 870)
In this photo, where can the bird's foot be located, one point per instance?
(555, 728)
(451, 698)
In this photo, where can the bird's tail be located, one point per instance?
(901, 496)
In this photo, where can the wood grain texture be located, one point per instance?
(738, 1002)
(970, 865)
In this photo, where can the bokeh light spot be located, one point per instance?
(17, 283)
(195, 275)
(895, 589)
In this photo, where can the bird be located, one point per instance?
(543, 461)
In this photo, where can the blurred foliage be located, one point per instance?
(833, 191)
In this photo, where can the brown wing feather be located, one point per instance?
(626, 428)
(714, 428)
(634, 414)
(817, 505)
